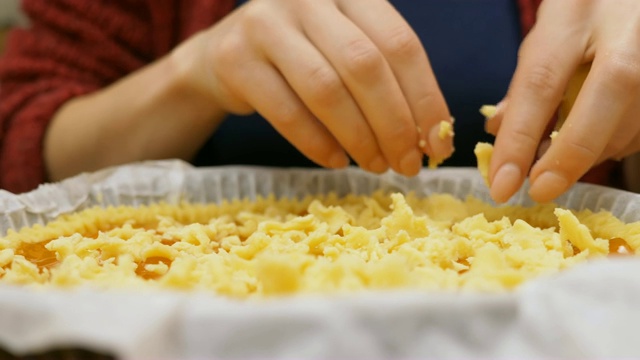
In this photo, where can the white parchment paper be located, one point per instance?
(592, 310)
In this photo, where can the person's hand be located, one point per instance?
(603, 124)
(334, 77)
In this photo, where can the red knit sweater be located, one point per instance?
(74, 47)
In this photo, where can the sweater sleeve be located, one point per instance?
(71, 48)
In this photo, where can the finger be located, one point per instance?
(542, 149)
(633, 147)
(272, 97)
(410, 65)
(624, 142)
(612, 83)
(620, 145)
(321, 89)
(493, 121)
(369, 79)
(548, 58)
(623, 36)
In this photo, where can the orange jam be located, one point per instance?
(168, 242)
(618, 246)
(153, 260)
(464, 262)
(38, 254)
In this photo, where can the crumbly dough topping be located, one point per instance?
(320, 244)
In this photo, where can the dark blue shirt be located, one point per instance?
(472, 46)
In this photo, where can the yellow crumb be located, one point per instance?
(434, 162)
(488, 111)
(579, 235)
(483, 152)
(446, 129)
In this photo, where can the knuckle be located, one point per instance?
(304, 5)
(623, 72)
(228, 51)
(575, 4)
(615, 147)
(580, 152)
(231, 99)
(403, 43)
(524, 139)
(542, 80)
(430, 108)
(613, 152)
(289, 115)
(255, 17)
(316, 148)
(396, 138)
(400, 131)
(363, 58)
(428, 99)
(361, 146)
(326, 86)
(551, 7)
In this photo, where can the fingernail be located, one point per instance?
(548, 186)
(378, 165)
(338, 160)
(506, 182)
(411, 163)
(500, 106)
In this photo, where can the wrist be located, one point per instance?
(156, 112)
(191, 76)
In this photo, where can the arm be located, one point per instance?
(150, 114)
(361, 86)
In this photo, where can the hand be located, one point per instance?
(334, 77)
(605, 121)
